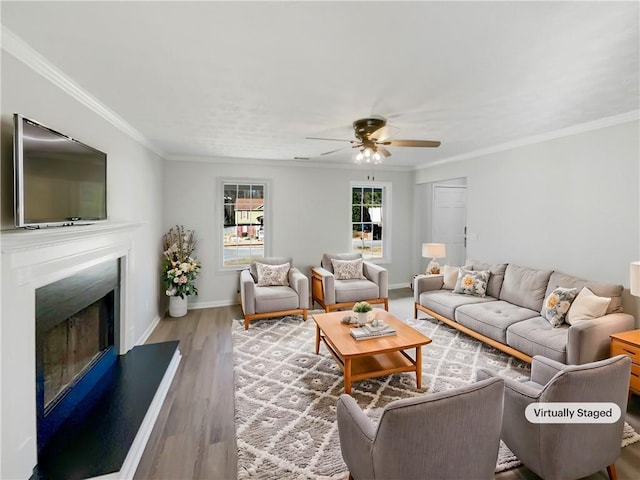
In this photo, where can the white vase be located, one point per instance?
(362, 318)
(177, 306)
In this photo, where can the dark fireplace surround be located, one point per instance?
(77, 337)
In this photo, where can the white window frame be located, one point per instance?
(386, 217)
(268, 216)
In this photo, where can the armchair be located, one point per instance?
(450, 434)
(278, 292)
(565, 450)
(357, 280)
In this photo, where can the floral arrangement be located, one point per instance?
(362, 307)
(179, 267)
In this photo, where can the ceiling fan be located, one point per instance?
(372, 138)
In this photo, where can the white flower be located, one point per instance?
(170, 292)
(184, 266)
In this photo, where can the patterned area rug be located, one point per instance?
(285, 394)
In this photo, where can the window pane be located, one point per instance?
(356, 213)
(356, 196)
(377, 196)
(229, 215)
(368, 196)
(258, 191)
(230, 193)
(244, 191)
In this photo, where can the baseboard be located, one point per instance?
(218, 303)
(147, 333)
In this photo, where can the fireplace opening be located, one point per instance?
(76, 344)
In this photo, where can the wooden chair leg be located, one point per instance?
(350, 477)
(246, 323)
(611, 470)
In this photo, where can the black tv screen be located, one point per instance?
(58, 180)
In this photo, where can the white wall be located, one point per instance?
(134, 173)
(570, 204)
(311, 215)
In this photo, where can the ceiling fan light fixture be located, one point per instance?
(368, 155)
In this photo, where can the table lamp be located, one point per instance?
(433, 251)
(634, 286)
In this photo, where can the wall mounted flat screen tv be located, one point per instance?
(58, 180)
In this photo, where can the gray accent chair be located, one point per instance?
(332, 294)
(273, 301)
(445, 435)
(556, 451)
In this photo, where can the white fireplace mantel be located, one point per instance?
(31, 259)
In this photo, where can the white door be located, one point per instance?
(449, 222)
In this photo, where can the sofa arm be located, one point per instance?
(426, 283)
(589, 340)
(327, 281)
(247, 292)
(378, 275)
(357, 434)
(300, 283)
(543, 369)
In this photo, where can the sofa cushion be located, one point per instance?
(493, 318)
(445, 302)
(536, 336)
(556, 305)
(268, 261)
(347, 269)
(355, 290)
(495, 279)
(471, 282)
(450, 277)
(272, 275)
(274, 299)
(525, 287)
(613, 291)
(587, 306)
(326, 259)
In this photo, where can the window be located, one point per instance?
(244, 223)
(370, 219)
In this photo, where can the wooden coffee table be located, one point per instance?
(373, 357)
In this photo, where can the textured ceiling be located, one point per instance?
(244, 79)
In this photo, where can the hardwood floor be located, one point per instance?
(194, 437)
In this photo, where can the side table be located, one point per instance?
(628, 343)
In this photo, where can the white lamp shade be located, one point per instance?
(434, 250)
(635, 279)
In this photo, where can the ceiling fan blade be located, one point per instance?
(334, 151)
(385, 153)
(332, 139)
(412, 143)
(381, 134)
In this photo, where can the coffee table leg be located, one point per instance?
(347, 375)
(317, 339)
(419, 367)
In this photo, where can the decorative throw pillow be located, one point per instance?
(587, 306)
(347, 269)
(450, 277)
(272, 275)
(471, 282)
(556, 305)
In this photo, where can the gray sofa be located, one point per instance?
(509, 319)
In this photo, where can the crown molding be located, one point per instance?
(17, 47)
(283, 163)
(563, 132)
